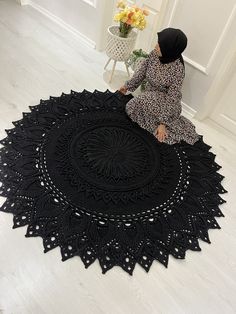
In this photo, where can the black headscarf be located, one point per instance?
(172, 43)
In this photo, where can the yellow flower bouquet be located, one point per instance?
(130, 17)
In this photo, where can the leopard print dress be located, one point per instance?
(161, 100)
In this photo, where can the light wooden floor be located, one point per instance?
(39, 59)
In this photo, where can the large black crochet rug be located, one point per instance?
(86, 178)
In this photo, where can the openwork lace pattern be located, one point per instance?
(84, 177)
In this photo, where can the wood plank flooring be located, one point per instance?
(38, 59)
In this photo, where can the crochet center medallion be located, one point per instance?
(86, 178)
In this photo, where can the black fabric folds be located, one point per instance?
(81, 175)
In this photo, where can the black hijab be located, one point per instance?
(172, 43)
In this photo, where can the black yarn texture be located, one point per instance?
(84, 177)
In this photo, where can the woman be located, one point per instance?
(158, 108)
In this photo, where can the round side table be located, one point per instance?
(119, 48)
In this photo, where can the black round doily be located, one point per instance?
(86, 178)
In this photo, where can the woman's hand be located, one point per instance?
(123, 90)
(161, 133)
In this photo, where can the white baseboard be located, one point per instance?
(220, 128)
(189, 110)
(90, 43)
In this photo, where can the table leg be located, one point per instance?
(127, 69)
(107, 63)
(113, 68)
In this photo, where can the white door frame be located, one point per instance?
(219, 84)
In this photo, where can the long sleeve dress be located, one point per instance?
(161, 100)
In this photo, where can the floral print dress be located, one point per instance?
(161, 100)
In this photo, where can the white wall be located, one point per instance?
(86, 17)
(210, 26)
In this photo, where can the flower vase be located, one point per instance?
(119, 48)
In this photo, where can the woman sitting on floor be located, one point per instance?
(158, 108)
